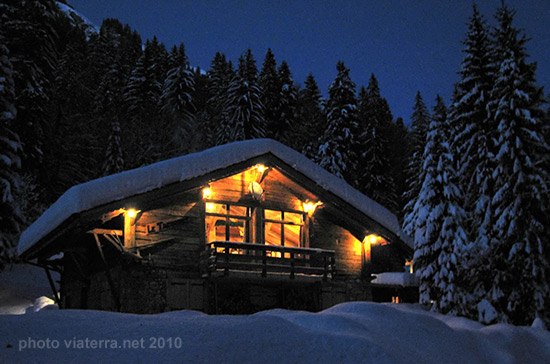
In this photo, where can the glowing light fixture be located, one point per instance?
(206, 193)
(310, 207)
(131, 213)
(261, 168)
(210, 207)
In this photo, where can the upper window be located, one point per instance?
(283, 228)
(226, 222)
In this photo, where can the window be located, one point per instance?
(225, 222)
(283, 228)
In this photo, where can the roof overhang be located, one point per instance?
(80, 206)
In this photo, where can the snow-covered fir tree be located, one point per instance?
(475, 132)
(270, 84)
(219, 79)
(243, 112)
(10, 162)
(335, 154)
(437, 220)
(29, 33)
(143, 121)
(114, 159)
(515, 267)
(288, 106)
(177, 102)
(311, 119)
(373, 167)
(415, 175)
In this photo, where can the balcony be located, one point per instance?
(226, 257)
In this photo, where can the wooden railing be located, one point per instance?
(231, 256)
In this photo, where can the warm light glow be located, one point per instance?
(131, 213)
(261, 168)
(309, 207)
(206, 193)
(210, 207)
(409, 266)
(374, 239)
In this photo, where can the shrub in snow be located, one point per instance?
(486, 312)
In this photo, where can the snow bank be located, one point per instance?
(396, 279)
(357, 332)
(20, 285)
(126, 184)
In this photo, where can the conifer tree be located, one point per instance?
(177, 101)
(419, 126)
(28, 30)
(243, 112)
(473, 144)
(143, 122)
(288, 105)
(399, 156)
(311, 119)
(114, 160)
(270, 84)
(374, 170)
(437, 220)
(219, 78)
(514, 269)
(334, 153)
(10, 162)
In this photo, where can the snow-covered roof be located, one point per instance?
(402, 279)
(122, 185)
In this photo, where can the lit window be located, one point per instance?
(283, 228)
(226, 222)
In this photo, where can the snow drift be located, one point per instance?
(357, 332)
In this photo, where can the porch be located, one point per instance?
(225, 257)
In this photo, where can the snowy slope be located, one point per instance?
(119, 186)
(79, 19)
(356, 332)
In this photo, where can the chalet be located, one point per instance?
(237, 228)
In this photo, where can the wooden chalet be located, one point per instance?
(237, 228)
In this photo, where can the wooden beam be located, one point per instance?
(105, 232)
(56, 297)
(108, 273)
(129, 232)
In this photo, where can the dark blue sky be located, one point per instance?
(408, 45)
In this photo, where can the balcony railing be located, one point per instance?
(228, 256)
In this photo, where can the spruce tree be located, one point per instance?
(516, 265)
(243, 110)
(288, 106)
(219, 78)
(114, 160)
(177, 102)
(335, 154)
(475, 132)
(419, 126)
(437, 220)
(144, 123)
(270, 85)
(28, 28)
(311, 121)
(10, 161)
(373, 167)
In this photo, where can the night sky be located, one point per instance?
(408, 45)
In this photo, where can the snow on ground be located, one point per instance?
(355, 332)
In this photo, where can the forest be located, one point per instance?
(468, 178)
